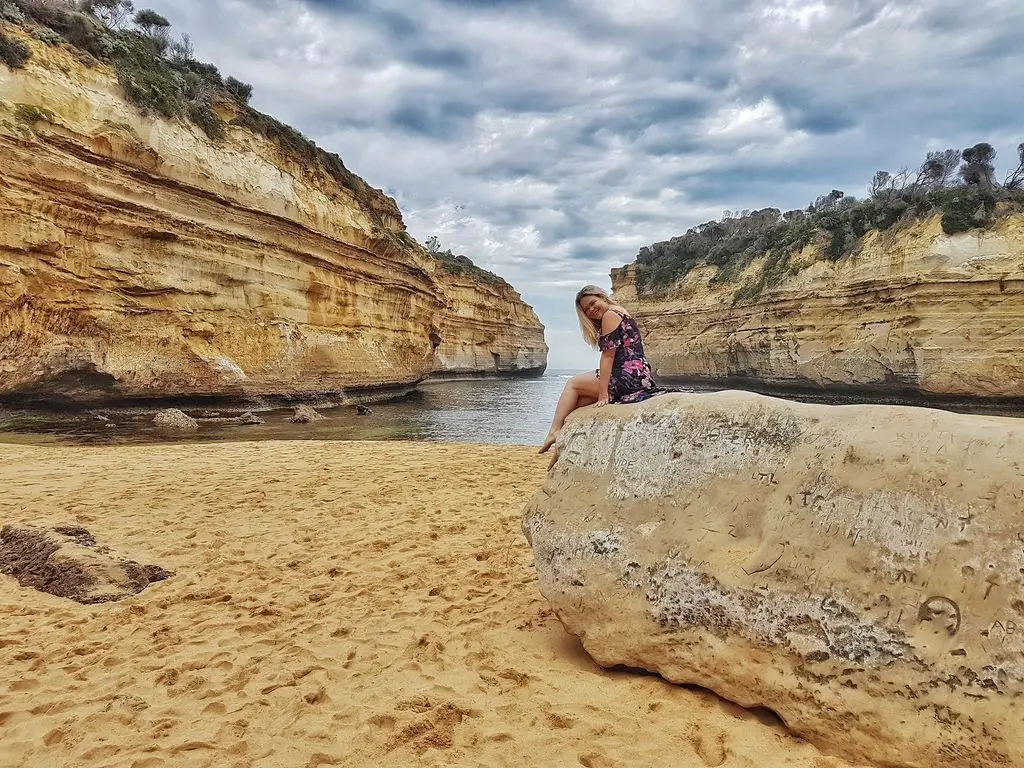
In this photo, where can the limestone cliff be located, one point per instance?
(141, 259)
(913, 310)
(488, 330)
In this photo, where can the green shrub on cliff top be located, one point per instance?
(241, 91)
(10, 12)
(458, 264)
(965, 208)
(147, 82)
(14, 53)
(958, 185)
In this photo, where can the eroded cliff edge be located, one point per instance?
(913, 311)
(141, 259)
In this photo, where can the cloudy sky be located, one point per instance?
(549, 139)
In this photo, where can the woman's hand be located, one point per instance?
(602, 398)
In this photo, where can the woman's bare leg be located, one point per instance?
(579, 391)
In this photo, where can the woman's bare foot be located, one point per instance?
(548, 442)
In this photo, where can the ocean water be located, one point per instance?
(500, 411)
(504, 411)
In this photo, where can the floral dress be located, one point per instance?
(632, 379)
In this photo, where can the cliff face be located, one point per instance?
(140, 259)
(914, 310)
(488, 329)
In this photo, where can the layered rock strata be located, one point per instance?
(141, 259)
(914, 311)
(857, 569)
(488, 330)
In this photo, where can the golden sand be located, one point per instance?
(334, 603)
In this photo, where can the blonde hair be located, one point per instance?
(591, 330)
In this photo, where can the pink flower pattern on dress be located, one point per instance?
(632, 379)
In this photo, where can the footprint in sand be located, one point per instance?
(596, 760)
(434, 728)
(710, 749)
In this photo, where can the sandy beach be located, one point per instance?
(333, 603)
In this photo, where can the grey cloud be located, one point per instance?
(399, 25)
(441, 58)
(813, 112)
(442, 120)
(590, 253)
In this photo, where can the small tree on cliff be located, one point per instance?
(112, 13)
(241, 91)
(151, 23)
(978, 168)
(182, 50)
(1015, 178)
(938, 169)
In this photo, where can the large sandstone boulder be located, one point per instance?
(857, 569)
(66, 561)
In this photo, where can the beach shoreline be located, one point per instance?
(333, 603)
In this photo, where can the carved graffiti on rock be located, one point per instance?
(942, 612)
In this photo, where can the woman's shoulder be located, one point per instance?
(611, 320)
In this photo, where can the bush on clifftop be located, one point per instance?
(14, 53)
(959, 185)
(460, 265)
(241, 91)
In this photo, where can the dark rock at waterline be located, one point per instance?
(246, 418)
(66, 561)
(363, 410)
(304, 414)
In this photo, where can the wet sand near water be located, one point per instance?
(334, 604)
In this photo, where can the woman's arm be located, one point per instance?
(609, 323)
(604, 378)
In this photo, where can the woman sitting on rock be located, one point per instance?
(624, 376)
